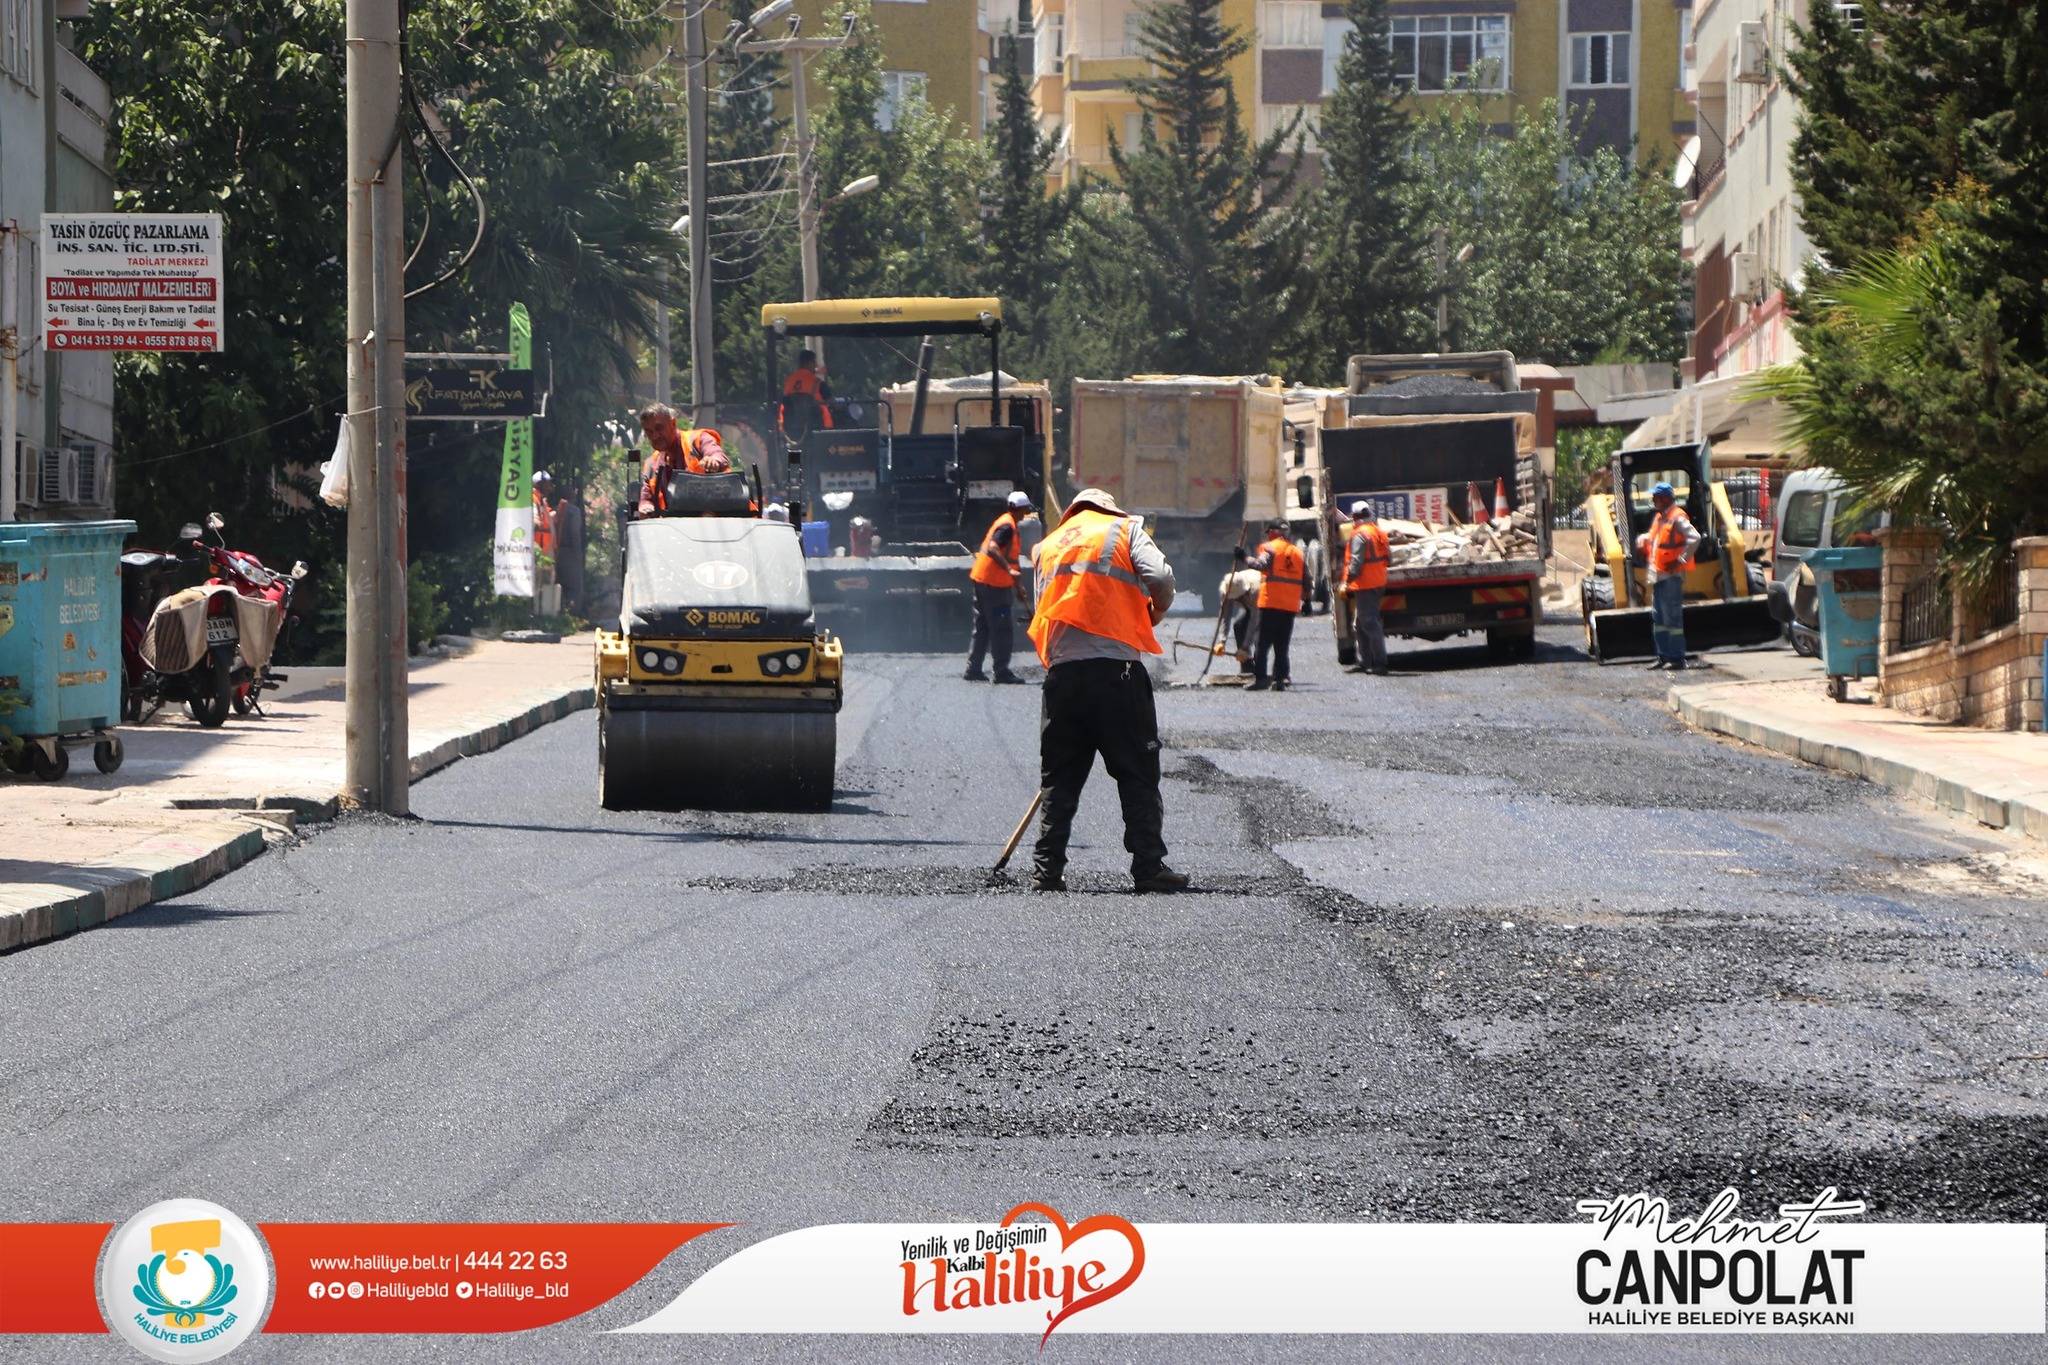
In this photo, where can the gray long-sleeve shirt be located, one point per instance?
(1065, 644)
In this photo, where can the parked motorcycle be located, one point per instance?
(208, 645)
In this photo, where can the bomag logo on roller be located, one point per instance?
(724, 620)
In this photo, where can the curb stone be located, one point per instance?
(2023, 809)
(176, 863)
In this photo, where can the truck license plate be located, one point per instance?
(988, 490)
(855, 481)
(1454, 620)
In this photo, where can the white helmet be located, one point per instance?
(541, 476)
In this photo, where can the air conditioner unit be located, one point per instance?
(1752, 53)
(1745, 275)
(91, 476)
(28, 474)
(57, 463)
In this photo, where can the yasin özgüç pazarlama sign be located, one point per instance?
(469, 388)
(132, 282)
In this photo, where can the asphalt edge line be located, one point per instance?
(123, 890)
(1704, 708)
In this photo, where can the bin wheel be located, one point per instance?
(107, 754)
(1838, 686)
(49, 764)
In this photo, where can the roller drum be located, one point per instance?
(716, 760)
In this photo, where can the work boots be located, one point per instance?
(1160, 878)
(1047, 879)
(1006, 676)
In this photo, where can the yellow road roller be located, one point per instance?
(718, 691)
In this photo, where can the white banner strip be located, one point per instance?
(1350, 1278)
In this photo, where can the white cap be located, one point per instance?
(541, 476)
(1020, 500)
(775, 511)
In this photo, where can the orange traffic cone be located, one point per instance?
(1475, 503)
(1500, 499)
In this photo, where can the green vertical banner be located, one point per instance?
(512, 544)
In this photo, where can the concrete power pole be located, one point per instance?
(377, 743)
(703, 380)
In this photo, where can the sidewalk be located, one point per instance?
(1777, 700)
(191, 804)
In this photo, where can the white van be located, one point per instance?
(1814, 512)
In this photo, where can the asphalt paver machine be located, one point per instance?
(718, 690)
(902, 507)
(1725, 602)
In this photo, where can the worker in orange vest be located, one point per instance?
(996, 573)
(544, 525)
(1285, 569)
(1365, 583)
(1668, 547)
(673, 449)
(806, 402)
(1102, 586)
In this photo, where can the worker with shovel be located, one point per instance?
(1102, 586)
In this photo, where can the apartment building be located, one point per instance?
(1615, 64)
(935, 52)
(1742, 227)
(53, 132)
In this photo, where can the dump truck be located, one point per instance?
(718, 690)
(1430, 441)
(1721, 607)
(1200, 457)
(904, 506)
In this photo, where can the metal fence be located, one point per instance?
(2001, 605)
(1924, 613)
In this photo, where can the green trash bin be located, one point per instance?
(60, 643)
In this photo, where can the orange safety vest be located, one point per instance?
(1667, 540)
(996, 567)
(1369, 553)
(654, 485)
(807, 383)
(1087, 579)
(1285, 580)
(543, 524)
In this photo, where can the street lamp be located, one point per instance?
(662, 380)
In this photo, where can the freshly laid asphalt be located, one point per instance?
(1468, 943)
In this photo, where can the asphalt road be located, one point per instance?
(1471, 942)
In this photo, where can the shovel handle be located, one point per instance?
(1017, 835)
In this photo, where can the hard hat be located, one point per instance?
(541, 476)
(1362, 511)
(1661, 489)
(1020, 500)
(1095, 499)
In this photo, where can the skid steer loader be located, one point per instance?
(1725, 601)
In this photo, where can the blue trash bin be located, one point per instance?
(60, 643)
(817, 537)
(1850, 586)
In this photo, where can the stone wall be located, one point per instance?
(1993, 681)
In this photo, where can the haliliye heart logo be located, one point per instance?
(1100, 1222)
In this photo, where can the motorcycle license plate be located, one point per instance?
(220, 630)
(1448, 621)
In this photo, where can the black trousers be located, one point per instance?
(994, 627)
(1276, 634)
(1090, 707)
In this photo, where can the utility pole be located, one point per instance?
(377, 739)
(10, 352)
(1443, 290)
(703, 381)
(661, 361)
(808, 210)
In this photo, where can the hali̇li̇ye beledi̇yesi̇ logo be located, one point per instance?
(184, 1280)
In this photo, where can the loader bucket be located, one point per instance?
(1624, 633)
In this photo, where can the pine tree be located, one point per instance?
(1214, 248)
(1369, 261)
(1922, 167)
(1023, 227)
